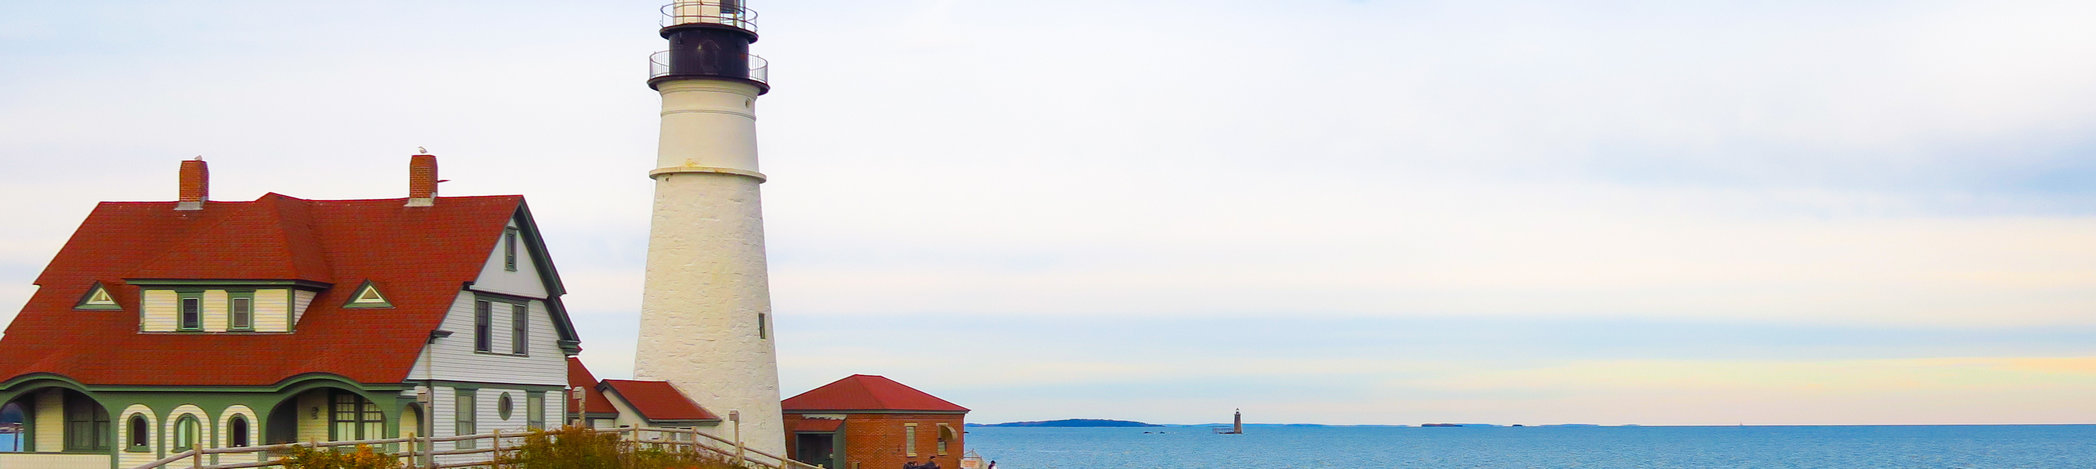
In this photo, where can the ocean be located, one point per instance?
(2006, 446)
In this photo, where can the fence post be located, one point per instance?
(196, 457)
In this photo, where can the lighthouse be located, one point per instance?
(706, 309)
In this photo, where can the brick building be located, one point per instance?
(872, 422)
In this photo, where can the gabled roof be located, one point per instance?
(593, 401)
(657, 401)
(867, 393)
(422, 256)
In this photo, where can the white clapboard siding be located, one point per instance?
(157, 311)
(495, 276)
(455, 360)
(299, 302)
(215, 310)
(272, 310)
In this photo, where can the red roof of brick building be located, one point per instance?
(419, 258)
(867, 392)
(657, 400)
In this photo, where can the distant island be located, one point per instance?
(1071, 423)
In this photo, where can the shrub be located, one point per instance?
(580, 448)
(363, 458)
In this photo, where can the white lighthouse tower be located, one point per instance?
(706, 312)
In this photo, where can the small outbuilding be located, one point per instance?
(868, 421)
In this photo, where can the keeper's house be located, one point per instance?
(164, 326)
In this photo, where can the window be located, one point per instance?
(519, 328)
(945, 437)
(483, 339)
(240, 309)
(186, 433)
(351, 418)
(909, 439)
(192, 313)
(236, 432)
(509, 249)
(97, 299)
(535, 410)
(367, 296)
(464, 417)
(86, 426)
(141, 433)
(762, 332)
(503, 404)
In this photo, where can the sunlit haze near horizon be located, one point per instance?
(1321, 211)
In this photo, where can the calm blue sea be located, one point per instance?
(2013, 446)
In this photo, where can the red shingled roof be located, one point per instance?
(419, 256)
(867, 392)
(657, 400)
(593, 401)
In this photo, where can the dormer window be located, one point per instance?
(192, 312)
(367, 296)
(97, 298)
(240, 311)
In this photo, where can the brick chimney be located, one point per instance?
(422, 180)
(196, 185)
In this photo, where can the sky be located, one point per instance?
(1317, 211)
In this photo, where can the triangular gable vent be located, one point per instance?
(367, 296)
(97, 298)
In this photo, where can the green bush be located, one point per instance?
(363, 458)
(580, 448)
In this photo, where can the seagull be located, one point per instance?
(421, 151)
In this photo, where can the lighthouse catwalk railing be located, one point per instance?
(659, 66)
(488, 449)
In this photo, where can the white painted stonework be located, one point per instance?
(707, 284)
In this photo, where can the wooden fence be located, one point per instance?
(673, 439)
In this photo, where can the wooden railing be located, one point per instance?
(672, 439)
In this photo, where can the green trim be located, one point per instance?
(98, 287)
(535, 409)
(505, 406)
(460, 421)
(291, 309)
(564, 326)
(174, 439)
(296, 381)
(509, 249)
(231, 297)
(486, 385)
(306, 284)
(354, 295)
(182, 298)
(129, 435)
(492, 297)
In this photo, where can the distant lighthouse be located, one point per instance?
(706, 308)
(1237, 422)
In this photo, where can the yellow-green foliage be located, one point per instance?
(579, 448)
(363, 458)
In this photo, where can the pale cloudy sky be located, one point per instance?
(1317, 210)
